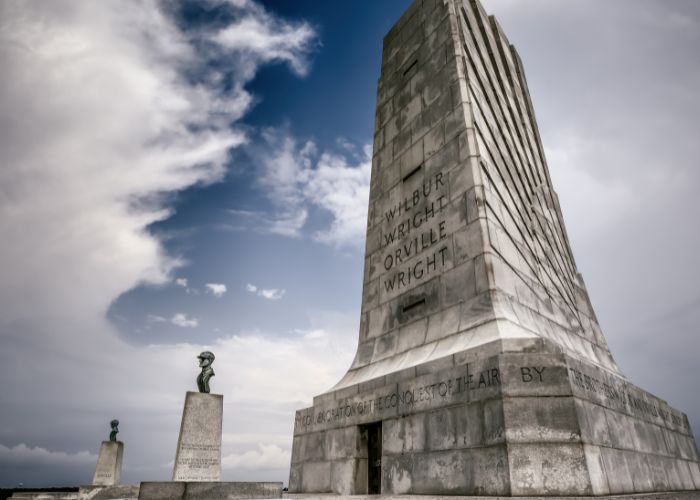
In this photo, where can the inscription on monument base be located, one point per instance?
(109, 464)
(199, 447)
(462, 384)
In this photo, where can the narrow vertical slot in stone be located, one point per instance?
(413, 305)
(410, 67)
(411, 173)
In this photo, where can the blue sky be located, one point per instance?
(194, 175)
(331, 106)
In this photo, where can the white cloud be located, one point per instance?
(251, 438)
(260, 37)
(296, 178)
(314, 334)
(98, 123)
(22, 454)
(342, 190)
(101, 124)
(181, 282)
(181, 320)
(216, 289)
(271, 293)
(154, 318)
(266, 293)
(267, 456)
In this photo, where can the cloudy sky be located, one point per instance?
(184, 175)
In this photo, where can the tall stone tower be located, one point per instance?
(480, 368)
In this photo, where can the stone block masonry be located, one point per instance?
(205, 490)
(481, 368)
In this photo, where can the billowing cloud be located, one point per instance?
(216, 289)
(259, 37)
(181, 282)
(297, 178)
(101, 123)
(183, 321)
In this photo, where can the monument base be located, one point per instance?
(122, 492)
(198, 456)
(671, 495)
(109, 464)
(515, 417)
(184, 490)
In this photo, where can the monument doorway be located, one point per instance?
(374, 458)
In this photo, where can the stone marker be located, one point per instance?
(198, 456)
(105, 483)
(197, 471)
(480, 367)
(109, 464)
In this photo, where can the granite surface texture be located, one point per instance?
(198, 456)
(181, 490)
(677, 495)
(480, 362)
(122, 492)
(109, 464)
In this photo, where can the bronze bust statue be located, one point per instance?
(205, 360)
(113, 435)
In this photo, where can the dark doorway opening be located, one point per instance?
(374, 458)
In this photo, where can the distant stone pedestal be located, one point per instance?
(198, 456)
(183, 490)
(109, 464)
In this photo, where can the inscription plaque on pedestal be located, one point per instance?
(198, 456)
(481, 368)
(109, 464)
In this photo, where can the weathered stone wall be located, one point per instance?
(515, 423)
(464, 226)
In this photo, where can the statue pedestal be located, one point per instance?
(198, 456)
(109, 464)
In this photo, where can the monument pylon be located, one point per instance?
(480, 367)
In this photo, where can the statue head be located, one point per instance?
(206, 359)
(113, 435)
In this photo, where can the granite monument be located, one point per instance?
(197, 469)
(198, 456)
(481, 368)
